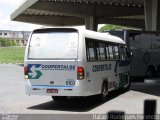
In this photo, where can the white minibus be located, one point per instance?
(62, 62)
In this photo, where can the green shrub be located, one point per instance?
(2, 42)
(7, 42)
(14, 42)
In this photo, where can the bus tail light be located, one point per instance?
(26, 72)
(80, 73)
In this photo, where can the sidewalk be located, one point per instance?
(152, 80)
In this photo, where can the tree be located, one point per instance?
(112, 27)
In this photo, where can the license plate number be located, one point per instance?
(52, 90)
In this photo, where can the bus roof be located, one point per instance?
(86, 33)
(103, 36)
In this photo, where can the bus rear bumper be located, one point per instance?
(56, 90)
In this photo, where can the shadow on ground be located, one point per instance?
(148, 88)
(82, 104)
(85, 104)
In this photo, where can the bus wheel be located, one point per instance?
(59, 98)
(151, 72)
(104, 92)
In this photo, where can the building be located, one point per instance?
(20, 36)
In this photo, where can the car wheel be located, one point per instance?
(151, 72)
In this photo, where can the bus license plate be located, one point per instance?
(52, 90)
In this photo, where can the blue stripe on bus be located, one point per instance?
(48, 86)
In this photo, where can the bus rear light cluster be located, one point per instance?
(26, 72)
(80, 73)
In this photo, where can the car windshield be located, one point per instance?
(53, 45)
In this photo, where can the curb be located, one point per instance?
(19, 64)
(152, 81)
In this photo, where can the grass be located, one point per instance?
(12, 54)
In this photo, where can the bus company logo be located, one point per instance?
(100, 68)
(34, 71)
(59, 67)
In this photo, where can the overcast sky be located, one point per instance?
(6, 8)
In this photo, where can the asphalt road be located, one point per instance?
(14, 101)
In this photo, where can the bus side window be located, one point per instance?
(87, 51)
(97, 51)
(114, 57)
(116, 52)
(90, 51)
(123, 53)
(107, 52)
(102, 51)
(110, 52)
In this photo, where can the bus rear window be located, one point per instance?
(53, 45)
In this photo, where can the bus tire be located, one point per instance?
(104, 92)
(151, 72)
(59, 98)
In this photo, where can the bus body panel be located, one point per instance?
(96, 76)
(65, 81)
(98, 72)
(50, 72)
